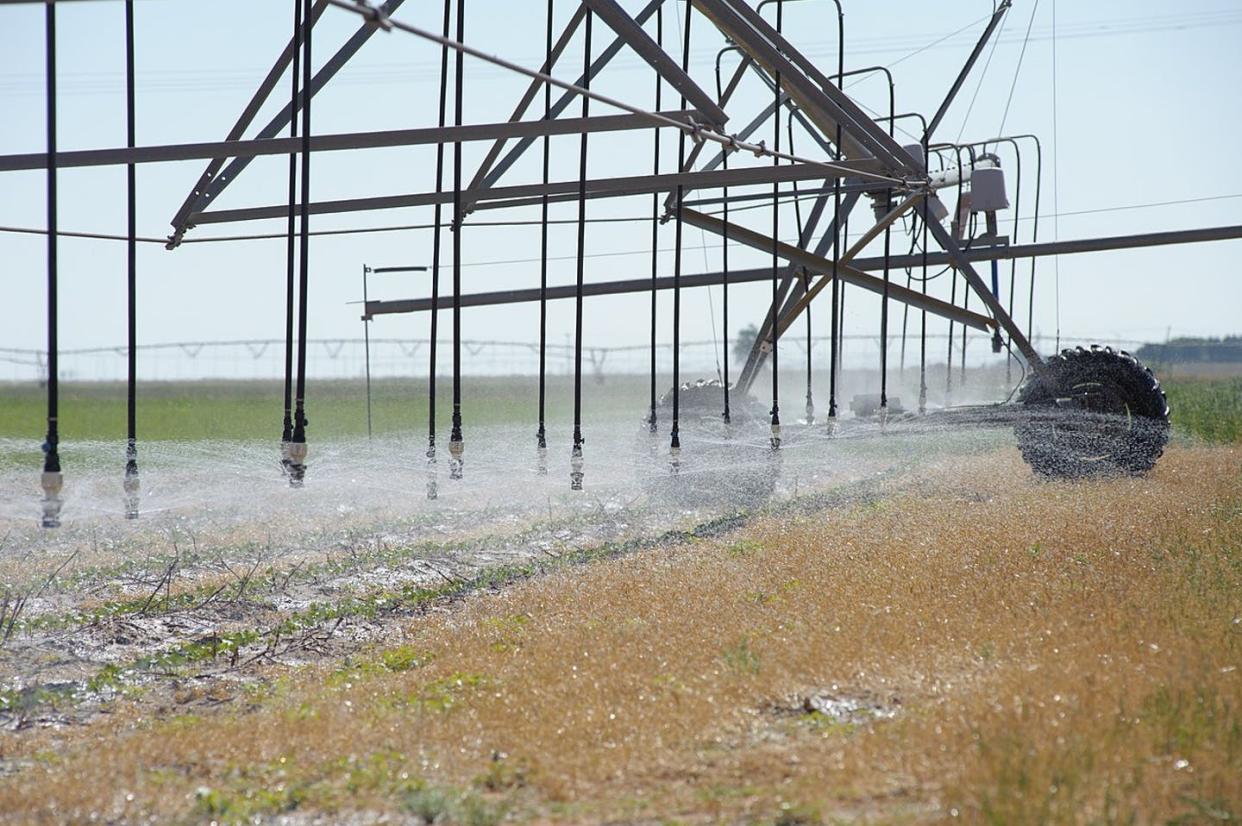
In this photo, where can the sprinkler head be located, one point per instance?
(674, 459)
(998, 343)
(285, 460)
(922, 399)
(456, 448)
(53, 483)
(576, 468)
(776, 437)
(433, 488)
(830, 424)
(132, 487)
(882, 416)
(297, 464)
(541, 460)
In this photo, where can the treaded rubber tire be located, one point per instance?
(1125, 431)
(721, 464)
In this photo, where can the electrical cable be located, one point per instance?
(1018, 69)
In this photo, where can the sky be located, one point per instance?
(1142, 137)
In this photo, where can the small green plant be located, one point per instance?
(740, 657)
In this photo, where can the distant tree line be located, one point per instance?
(1188, 350)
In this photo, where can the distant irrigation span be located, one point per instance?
(345, 358)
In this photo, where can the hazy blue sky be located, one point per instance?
(1148, 112)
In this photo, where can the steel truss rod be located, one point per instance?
(959, 263)
(818, 265)
(487, 176)
(211, 185)
(961, 76)
(871, 264)
(481, 179)
(343, 141)
(815, 94)
(793, 290)
(698, 133)
(248, 114)
(631, 31)
(635, 285)
(599, 187)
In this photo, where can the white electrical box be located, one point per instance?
(987, 190)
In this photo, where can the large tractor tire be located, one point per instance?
(1093, 413)
(721, 464)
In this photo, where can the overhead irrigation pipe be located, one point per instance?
(696, 131)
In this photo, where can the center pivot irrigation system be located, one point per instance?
(1080, 413)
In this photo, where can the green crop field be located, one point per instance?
(1209, 409)
(182, 411)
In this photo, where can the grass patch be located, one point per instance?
(232, 410)
(1209, 409)
(1055, 652)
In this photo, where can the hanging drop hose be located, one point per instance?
(948, 362)
(286, 433)
(53, 481)
(456, 445)
(727, 415)
(888, 237)
(130, 484)
(888, 205)
(675, 439)
(837, 220)
(797, 202)
(297, 449)
(433, 490)
(575, 456)
(923, 324)
(655, 228)
(541, 435)
(776, 234)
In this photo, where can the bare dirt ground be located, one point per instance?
(963, 641)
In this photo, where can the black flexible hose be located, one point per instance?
(436, 252)
(675, 440)
(286, 433)
(131, 443)
(541, 435)
(655, 229)
(456, 445)
(776, 234)
(576, 453)
(299, 413)
(51, 452)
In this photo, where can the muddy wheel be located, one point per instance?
(721, 463)
(1093, 412)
